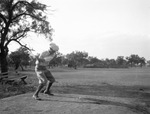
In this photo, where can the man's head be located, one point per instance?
(53, 48)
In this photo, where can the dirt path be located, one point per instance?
(70, 104)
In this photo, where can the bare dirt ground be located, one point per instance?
(121, 91)
(71, 104)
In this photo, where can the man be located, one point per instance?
(43, 74)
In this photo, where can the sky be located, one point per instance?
(102, 28)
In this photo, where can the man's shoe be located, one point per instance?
(36, 97)
(49, 93)
(42, 91)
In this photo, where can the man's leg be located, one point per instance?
(35, 96)
(47, 90)
(50, 82)
(42, 82)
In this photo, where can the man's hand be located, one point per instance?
(37, 56)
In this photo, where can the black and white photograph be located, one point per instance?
(74, 56)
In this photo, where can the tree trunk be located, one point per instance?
(4, 64)
(21, 67)
(3, 60)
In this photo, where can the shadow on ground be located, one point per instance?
(137, 108)
(141, 93)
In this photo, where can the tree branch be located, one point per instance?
(20, 2)
(33, 16)
(23, 2)
(22, 44)
(32, 5)
(15, 39)
(3, 18)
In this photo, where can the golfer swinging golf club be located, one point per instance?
(43, 74)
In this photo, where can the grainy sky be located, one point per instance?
(103, 28)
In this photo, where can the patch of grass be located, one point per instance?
(10, 90)
(7, 90)
(103, 82)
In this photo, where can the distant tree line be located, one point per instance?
(22, 58)
(81, 59)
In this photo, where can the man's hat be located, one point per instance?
(54, 47)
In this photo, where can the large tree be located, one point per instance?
(17, 19)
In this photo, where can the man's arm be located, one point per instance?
(50, 57)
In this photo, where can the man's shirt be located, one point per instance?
(43, 60)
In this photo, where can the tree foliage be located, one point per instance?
(77, 58)
(120, 62)
(21, 57)
(17, 19)
(81, 59)
(134, 59)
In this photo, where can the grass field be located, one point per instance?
(122, 84)
(132, 76)
(132, 82)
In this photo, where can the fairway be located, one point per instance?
(129, 83)
(128, 77)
